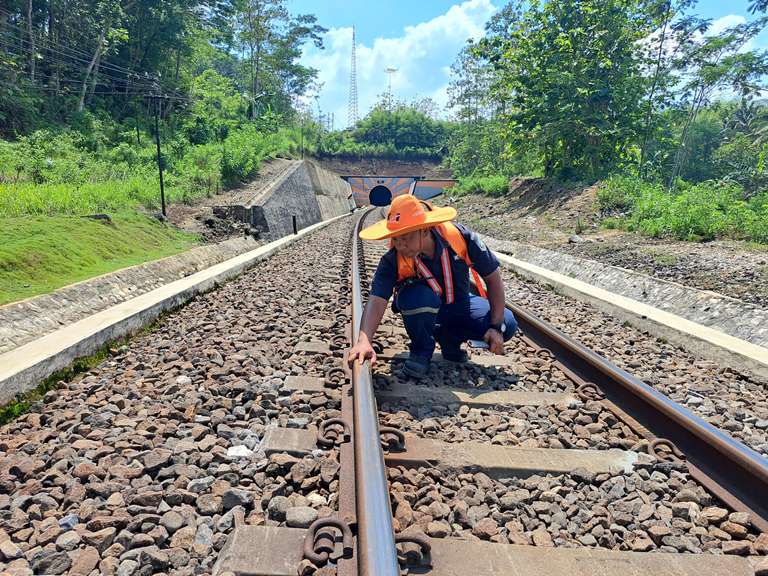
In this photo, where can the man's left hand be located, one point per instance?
(495, 341)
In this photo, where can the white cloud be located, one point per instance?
(422, 55)
(721, 24)
(716, 27)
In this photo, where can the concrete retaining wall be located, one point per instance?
(305, 192)
(332, 192)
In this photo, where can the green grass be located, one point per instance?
(53, 173)
(39, 254)
(495, 185)
(665, 259)
(701, 211)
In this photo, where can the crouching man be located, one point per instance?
(428, 270)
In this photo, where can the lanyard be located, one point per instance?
(445, 260)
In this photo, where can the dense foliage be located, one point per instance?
(395, 131)
(58, 58)
(61, 173)
(642, 92)
(644, 89)
(78, 82)
(580, 90)
(702, 211)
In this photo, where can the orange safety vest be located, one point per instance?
(414, 267)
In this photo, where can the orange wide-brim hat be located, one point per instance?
(406, 214)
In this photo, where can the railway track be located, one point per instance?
(232, 439)
(482, 474)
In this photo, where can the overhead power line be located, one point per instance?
(60, 49)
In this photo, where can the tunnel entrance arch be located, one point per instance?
(380, 196)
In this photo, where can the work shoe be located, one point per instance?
(416, 367)
(459, 356)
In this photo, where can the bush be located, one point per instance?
(56, 173)
(618, 193)
(703, 211)
(494, 185)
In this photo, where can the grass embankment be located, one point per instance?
(689, 211)
(50, 179)
(39, 254)
(702, 211)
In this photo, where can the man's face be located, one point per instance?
(409, 245)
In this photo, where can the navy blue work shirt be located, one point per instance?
(483, 261)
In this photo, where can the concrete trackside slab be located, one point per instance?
(453, 557)
(477, 397)
(497, 460)
(305, 383)
(294, 441)
(24, 367)
(261, 551)
(697, 338)
(494, 460)
(274, 551)
(473, 396)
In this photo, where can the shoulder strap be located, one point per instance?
(451, 234)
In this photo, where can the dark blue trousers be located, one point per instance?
(427, 320)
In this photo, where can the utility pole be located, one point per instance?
(389, 70)
(155, 101)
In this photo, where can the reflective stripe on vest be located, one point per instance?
(424, 272)
(409, 267)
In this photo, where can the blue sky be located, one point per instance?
(419, 37)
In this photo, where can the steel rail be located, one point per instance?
(730, 470)
(377, 554)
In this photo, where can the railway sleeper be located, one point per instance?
(473, 397)
(276, 551)
(496, 461)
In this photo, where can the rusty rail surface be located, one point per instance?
(376, 551)
(730, 470)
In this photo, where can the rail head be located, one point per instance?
(376, 551)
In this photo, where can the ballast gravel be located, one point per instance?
(145, 463)
(734, 401)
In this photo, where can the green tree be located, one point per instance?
(716, 63)
(574, 79)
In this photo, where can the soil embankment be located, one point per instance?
(545, 214)
(380, 167)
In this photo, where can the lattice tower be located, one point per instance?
(352, 109)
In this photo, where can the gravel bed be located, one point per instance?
(526, 371)
(657, 507)
(729, 268)
(143, 464)
(586, 426)
(734, 401)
